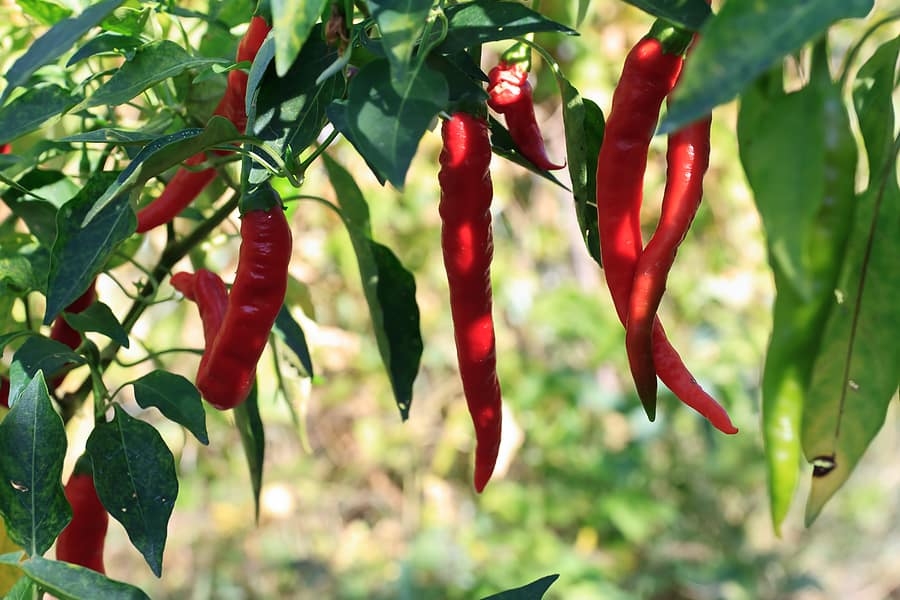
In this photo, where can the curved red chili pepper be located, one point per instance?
(227, 368)
(82, 541)
(647, 78)
(466, 193)
(211, 295)
(511, 95)
(186, 185)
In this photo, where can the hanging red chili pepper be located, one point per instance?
(466, 239)
(211, 295)
(511, 95)
(648, 76)
(227, 369)
(61, 331)
(186, 185)
(82, 541)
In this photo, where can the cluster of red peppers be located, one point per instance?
(467, 242)
(636, 276)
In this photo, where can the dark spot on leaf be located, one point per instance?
(823, 465)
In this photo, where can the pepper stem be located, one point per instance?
(518, 54)
(674, 40)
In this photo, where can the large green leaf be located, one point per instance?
(79, 253)
(390, 290)
(253, 439)
(401, 24)
(134, 473)
(482, 21)
(175, 397)
(98, 317)
(689, 14)
(153, 63)
(742, 41)
(292, 20)
(32, 449)
(855, 373)
(57, 40)
(533, 591)
(43, 354)
(72, 582)
(386, 119)
(32, 109)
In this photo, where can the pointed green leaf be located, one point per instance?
(47, 13)
(176, 398)
(389, 288)
(32, 109)
(742, 41)
(291, 333)
(292, 21)
(56, 41)
(112, 136)
(387, 119)
(155, 62)
(72, 582)
(533, 591)
(105, 43)
(80, 253)
(401, 24)
(43, 354)
(54, 189)
(253, 439)
(32, 449)
(689, 14)
(24, 589)
(100, 318)
(134, 473)
(482, 21)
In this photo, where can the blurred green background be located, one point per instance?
(357, 504)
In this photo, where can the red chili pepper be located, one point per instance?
(186, 185)
(466, 239)
(227, 369)
(510, 94)
(687, 159)
(5, 149)
(61, 331)
(4, 391)
(211, 295)
(647, 78)
(82, 541)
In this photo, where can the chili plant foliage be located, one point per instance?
(182, 118)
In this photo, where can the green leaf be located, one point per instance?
(40, 215)
(389, 288)
(253, 439)
(292, 21)
(24, 589)
(742, 41)
(118, 137)
(46, 13)
(105, 43)
(291, 333)
(32, 449)
(481, 21)
(855, 373)
(798, 321)
(100, 318)
(176, 398)
(688, 14)
(533, 591)
(57, 40)
(126, 21)
(43, 354)
(339, 115)
(153, 63)
(290, 110)
(503, 145)
(80, 253)
(387, 119)
(32, 109)
(163, 154)
(72, 582)
(584, 125)
(134, 473)
(401, 24)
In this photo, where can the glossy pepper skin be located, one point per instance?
(209, 292)
(82, 541)
(186, 185)
(466, 239)
(511, 95)
(648, 76)
(227, 369)
(687, 159)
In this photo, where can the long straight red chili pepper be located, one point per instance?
(687, 159)
(82, 541)
(227, 369)
(466, 239)
(511, 95)
(647, 78)
(186, 185)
